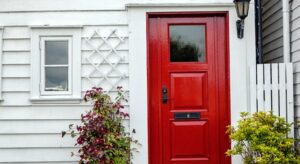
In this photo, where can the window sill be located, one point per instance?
(56, 100)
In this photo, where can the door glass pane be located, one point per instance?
(56, 52)
(187, 43)
(56, 79)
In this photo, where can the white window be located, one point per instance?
(56, 65)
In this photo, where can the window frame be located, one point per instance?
(43, 65)
(72, 32)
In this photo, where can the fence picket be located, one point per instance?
(271, 88)
(290, 98)
(260, 88)
(282, 90)
(275, 98)
(267, 87)
(253, 100)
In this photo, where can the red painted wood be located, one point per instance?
(192, 87)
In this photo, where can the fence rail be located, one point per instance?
(271, 89)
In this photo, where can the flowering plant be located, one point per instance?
(101, 136)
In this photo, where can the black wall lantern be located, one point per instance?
(242, 8)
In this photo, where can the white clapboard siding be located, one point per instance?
(272, 90)
(16, 84)
(41, 112)
(16, 45)
(35, 126)
(31, 155)
(16, 57)
(34, 130)
(36, 141)
(16, 70)
(17, 32)
(65, 18)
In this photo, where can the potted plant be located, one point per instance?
(101, 137)
(262, 139)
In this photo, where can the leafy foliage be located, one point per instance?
(101, 136)
(262, 139)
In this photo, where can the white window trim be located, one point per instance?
(69, 65)
(1, 47)
(43, 32)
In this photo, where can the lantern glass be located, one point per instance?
(242, 8)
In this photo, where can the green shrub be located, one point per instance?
(262, 139)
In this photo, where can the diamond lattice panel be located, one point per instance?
(106, 59)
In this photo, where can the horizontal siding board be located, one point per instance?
(16, 33)
(16, 71)
(65, 18)
(36, 141)
(275, 35)
(273, 54)
(16, 84)
(271, 9)
(295, 4)
(48, 5)
(274, 27)
(296, 56)
(274, 45)
(268, 4)
(16, 57)
(271, 20)
(295, 12)
(35, 126)
(15, 98)
(16, 45)
(295, 35)
(295, 46)
(295, 24)
(297, 78)
(37, 155)
(276, 60)
(45, 112)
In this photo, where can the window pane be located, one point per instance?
(187, 43)
(56, 52)
(56, 79)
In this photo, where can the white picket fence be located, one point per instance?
(271, 89)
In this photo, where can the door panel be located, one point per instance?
(189, 140)
(188, 90)
(184, 122)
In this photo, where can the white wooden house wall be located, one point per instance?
(295, 52)
(30, 133)
(273, 40)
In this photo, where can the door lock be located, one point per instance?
(164, 92)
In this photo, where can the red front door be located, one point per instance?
(188, 89)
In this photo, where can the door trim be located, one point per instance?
(153, 87)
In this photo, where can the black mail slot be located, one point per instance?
(187, 116)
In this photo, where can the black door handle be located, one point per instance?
(164, 92)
